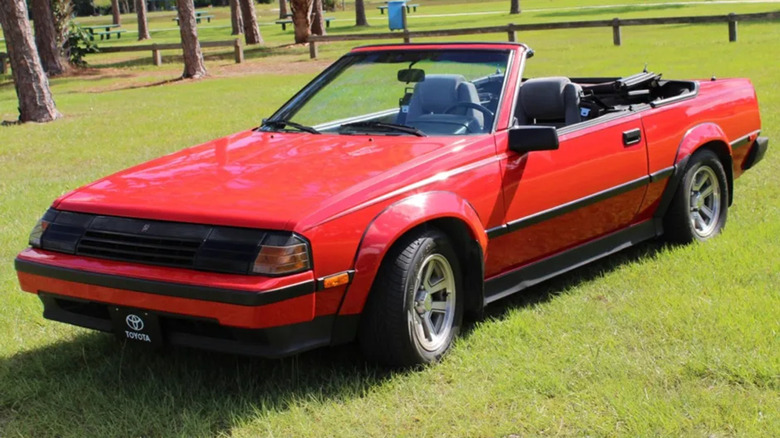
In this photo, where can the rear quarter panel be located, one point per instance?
(729, 104)
(724, 110)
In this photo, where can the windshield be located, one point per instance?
(422, 92)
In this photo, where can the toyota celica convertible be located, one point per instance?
(404, 187)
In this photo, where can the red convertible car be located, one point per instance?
(404, 187)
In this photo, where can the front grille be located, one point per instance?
(175, 244)
(145, 249)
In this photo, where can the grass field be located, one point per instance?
(655, 341)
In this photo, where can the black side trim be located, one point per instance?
(571, 206)
(661, 174)
(494, 232)
(524, 277)
(757, 152)
(203, 293)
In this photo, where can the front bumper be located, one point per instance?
(223, 314)
(756, 153)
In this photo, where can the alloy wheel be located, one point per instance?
(433, 310)
(705, 201)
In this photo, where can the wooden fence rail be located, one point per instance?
(157, 48)
(512, 29)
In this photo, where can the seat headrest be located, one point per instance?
(543, 98)
(438, 92)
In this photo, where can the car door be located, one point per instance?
(592, 185)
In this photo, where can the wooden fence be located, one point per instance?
(512, 29)
(238, 48)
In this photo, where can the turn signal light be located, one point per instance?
(275, 260)
(335, 280)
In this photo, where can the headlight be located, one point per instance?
(37, 232)
(282, 255)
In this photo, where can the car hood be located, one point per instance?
(257, 179)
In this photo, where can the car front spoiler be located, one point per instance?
(201, 333)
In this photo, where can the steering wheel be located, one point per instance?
(471, 105)
(486, 112)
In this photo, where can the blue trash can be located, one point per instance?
(395, 14)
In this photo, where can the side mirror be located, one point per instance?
(524, 139)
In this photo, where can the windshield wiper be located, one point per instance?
(387, 126)
(281, 123)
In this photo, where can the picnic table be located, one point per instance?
(199, 15)
(409, 8)
(287, 21)
(108, 30)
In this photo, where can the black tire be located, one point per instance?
(393, 330)
(687, 219)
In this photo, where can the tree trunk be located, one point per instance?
(251, 31)
(301, 10)
(62, 10)
(515, 7)
(115, 11)
(236, 20)
(143, 27)
(36, 103)
(46, 37)
(317, 19)
(193, 57)
(283, 9)
(360, 13)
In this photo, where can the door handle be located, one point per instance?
(632, 137)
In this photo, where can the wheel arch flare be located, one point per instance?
(446, 211)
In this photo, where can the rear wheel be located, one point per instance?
(700, 206)
(415, 308)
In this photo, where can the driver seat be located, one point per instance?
(436, 93)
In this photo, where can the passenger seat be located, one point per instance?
(553, 101)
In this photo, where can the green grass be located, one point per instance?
(655, 341)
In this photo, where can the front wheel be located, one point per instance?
(700, 206)
(415, 309)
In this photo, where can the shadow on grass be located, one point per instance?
(610, 10)
(94, 385)
(97, 386)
